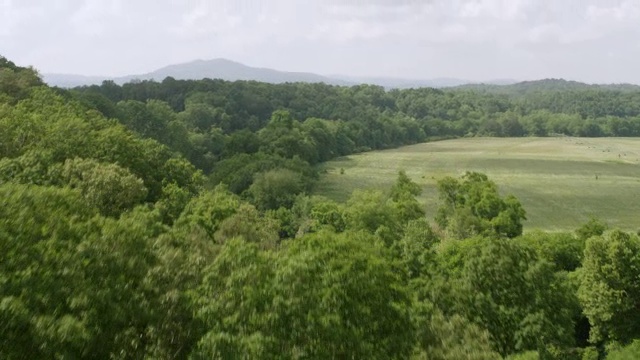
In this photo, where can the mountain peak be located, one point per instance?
(214, 61)
(225, 69)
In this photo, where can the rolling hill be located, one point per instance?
(201, 69)
(546, 85)
(230, 70)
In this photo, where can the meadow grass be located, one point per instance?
(561, 182)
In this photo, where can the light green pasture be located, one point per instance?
(561, 182)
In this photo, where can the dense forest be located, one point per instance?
(172, 220)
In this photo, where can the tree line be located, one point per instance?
(116, 245)
(234, 130)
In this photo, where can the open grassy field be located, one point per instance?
(561, 181)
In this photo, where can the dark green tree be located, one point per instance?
(329, 300)
(504, 288)
(276, 188)
(473, 205)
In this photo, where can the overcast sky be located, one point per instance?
(585, 40)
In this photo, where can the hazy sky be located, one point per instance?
(586, 40)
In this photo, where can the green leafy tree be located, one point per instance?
(610, 286)
(107, 187)
(248, 224)
(276, 188)
(372, 211)
(285, 137)
(32, 167)
(593, 227)
(172, 202)
(241, 142)
(472, 205)
(16, 81)
(150, 119)
(322, 135)
(629, 352)
(329, 301)
(417, 247)
(87, 277)
(452, 339)
(518, 298)
(562, 249)
(183, 254)
(403, 194)
(325, 212)
(207, 211)
(233, 302)
(202, 117)
(239, 172)
(40, 228)
(117, 300)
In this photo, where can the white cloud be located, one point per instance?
(206, 18)
(477, 39)
(503, 10)
(93, 18)
(14, 14)
(624, 11)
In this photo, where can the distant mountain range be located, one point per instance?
(200, 69)
(398, 83)
(527, 87)
(230, 70)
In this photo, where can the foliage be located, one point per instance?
(107, 187)
(325, 212)
(416, 249)
(371, 211)
(473, 206)
(452, 339)
(233, 302)
(221, 126)
(39, 230)
(593, 227)
(306, 304)
(518, 298)
(248, 224)
(207, 211)
(276, 188)
(610, 286)
(629, 352)
(113, 247)
(88, 293)
(328, 300)
(562, 249)
(15, 81)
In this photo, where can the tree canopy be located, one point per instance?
(173, 220)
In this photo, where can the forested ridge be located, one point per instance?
(171, 220)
